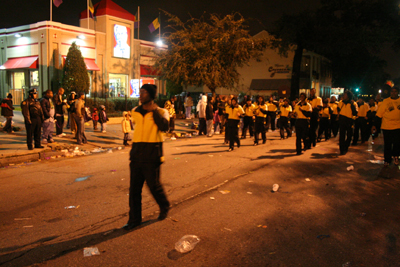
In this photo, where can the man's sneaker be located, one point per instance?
(396, 161)
(63, 134)
(173, 138)
(103, 131)
(44, 141)
(59, 135)
(51, 141)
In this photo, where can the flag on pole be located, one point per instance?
(91, 9)
(137, 22)
(57, 3)
(154, 25)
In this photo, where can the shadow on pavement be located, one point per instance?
(324, 156)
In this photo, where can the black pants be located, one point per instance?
(60, 123)
(271, 116)
(202, 126)
(334, 124)
(324, 128)
(171, 124)
(391, 144)
(126, 138)
(312, 134)
(233, 133)
(302, 127)
(260, 128)
(149, 172)
(284, 125)
(247, 123)
(33, 130)
(346, 133)
(361, 124)
(292, 123)
(8, 126)
(95, 125)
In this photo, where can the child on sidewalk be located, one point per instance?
(126, 127)
(95, 118)
(217, 122)
(103, 118)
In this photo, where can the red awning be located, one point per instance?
(90, 64)
(21, 63)
(148, 71)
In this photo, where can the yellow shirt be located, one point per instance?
(334, 106)
(325, 113)
(389, 111)
(233, 113)
(271, 106)
(362, 110)
(316, 102)
(305, 107)
(249, 110)
(345, 109)
(257, 111)
(285, 110)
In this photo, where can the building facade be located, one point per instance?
(117, 64)
(272, 75)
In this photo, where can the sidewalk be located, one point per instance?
(13, 147)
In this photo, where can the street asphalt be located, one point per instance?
(321, 215)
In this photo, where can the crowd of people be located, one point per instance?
(312, 118)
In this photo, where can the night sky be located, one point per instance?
(262, 13)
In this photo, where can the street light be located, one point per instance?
(159, 43)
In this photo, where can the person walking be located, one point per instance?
(303, 112)
(389, 112)
(33, 117)
(170, 107)
(79, 119)
(48, 113)
(59, 103)
(260, 112)
(209, 116)
(234, 111)
(316, 104)
(202, 115)
(347, 110)
(334, 123)
(271, 117)
(361, 122)
(324, 121)
(146, 155)
(188, 106)
(285, 111)
(248, 118)
(126, 126)
(7, 112)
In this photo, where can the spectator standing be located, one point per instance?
(33, 116)
(126, 127)
(202, 115)
(59, 103)
(188, 106)
(95, 118)
(7, 112)
(209, 116)
(389, 112)
(79, 119)
(71, 121)
(103, 118)
(347, 111)
(48, 113)
(170, 107)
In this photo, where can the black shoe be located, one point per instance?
(242, 137)
(163, 214)
(39, 146)
(298, 153)
(343, 152)
(264, 141)
(30, 148)
(130, 226)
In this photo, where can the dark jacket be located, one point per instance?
(7, 108)
(31, 108)
(58, 103)
(209, 111)
(45, 103)
(103, 117)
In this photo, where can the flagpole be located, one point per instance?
(87, 14)
(138, 28)
(51, 10)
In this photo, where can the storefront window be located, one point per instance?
(117, 85)
(34, 78)
(17, 80)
